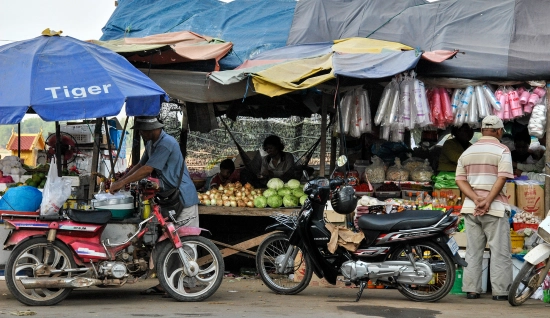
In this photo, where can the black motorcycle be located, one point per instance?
(411, 250)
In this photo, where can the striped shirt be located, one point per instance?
(481, 165)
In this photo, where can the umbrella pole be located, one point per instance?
(58, 148)
(112, 174)
(19, 140)
(109, 146)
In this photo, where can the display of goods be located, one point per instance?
(238, 195)
(355, 112)
(388, 187)
(397, 172)
(376, 172)
(412, 163)
(525, 217)
(423, 173)
(232, 195)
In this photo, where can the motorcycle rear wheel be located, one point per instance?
(29, 256)
(295, 278)
(207, 261)
(526, 283)
(443, 277)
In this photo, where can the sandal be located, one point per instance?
(155, 290)
(472, 295)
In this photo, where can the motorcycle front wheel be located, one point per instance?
(443, 268)
(204, 275)
(527, 281)
(37, 258)
(295, 276)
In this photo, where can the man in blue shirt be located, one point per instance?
(162, 155)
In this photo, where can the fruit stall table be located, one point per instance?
(238, 229)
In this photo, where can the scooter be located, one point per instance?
(411, 250)
(536, 265)
(53, 254)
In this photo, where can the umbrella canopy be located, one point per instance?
(62, 78)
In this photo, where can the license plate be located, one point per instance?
(453, 246)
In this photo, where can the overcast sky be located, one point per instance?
(81, 19)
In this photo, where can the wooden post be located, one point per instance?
(547, 156)
(323, 150)
(136, 145)
(19, 140)
(95, 157)
(57, 148)
(333, 142)
(184, 130)
(112, 172)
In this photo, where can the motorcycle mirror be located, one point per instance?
(342, 160)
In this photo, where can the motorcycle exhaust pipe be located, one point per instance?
(53, 282)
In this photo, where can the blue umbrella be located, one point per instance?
(62, 78)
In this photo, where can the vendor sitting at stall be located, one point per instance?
(227, 174)
(277, 162)
(454, 147)
(522, 168)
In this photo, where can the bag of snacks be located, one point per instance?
(413, 163)
(375, 172)
(397, 172)
(422, 174)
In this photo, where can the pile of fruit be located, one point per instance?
(237, 195)
(37, 180)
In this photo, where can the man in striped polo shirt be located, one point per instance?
(481, 175)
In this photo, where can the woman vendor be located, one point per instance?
(454, 147)
(277, 162)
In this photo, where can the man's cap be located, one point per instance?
(147, 123)
(492, 121)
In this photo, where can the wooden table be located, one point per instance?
(246, 245)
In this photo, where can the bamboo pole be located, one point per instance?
(323, 150)
(547, 155)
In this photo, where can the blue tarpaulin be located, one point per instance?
(253, 26)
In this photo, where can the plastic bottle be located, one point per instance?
(146, 209)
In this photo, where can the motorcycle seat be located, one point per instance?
(89, 216)
(405, 220)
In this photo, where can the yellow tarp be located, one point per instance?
(306, 73)
(364, 45)
(294, 75)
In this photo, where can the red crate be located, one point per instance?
(521, 226)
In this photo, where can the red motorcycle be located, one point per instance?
(52, 255)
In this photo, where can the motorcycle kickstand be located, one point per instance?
(362, 286)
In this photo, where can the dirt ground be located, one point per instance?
(250, 298)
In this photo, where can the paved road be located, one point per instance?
(249, 298)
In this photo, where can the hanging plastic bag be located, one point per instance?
(56, 191)
(384, 104)
(346, 109)
(537, 122)
(482, 104)
(405, 94)
(421, 104)
(491, 97)
(446, 106)
(457, 97)
(472, 112)
(363, 97)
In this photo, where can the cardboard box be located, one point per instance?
(315, 281)
(334, 217)
(530, 198)
(462, 239)
(511, 192)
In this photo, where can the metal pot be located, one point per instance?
(117, 201)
